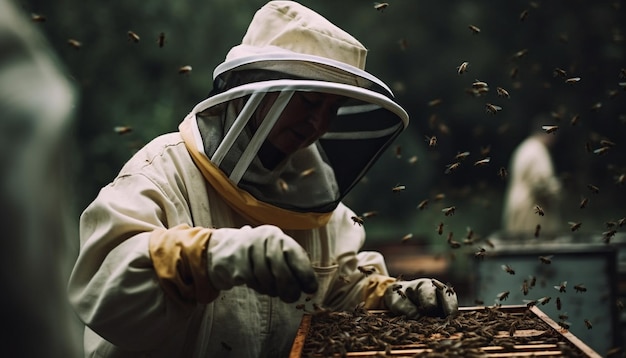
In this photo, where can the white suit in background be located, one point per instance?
(533, 182)
(39, 239)
(210, 238)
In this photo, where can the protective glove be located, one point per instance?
(421, 297)
(263, 258)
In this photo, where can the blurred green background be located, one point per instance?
(415, 46)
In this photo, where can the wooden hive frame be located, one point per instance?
(537, 348)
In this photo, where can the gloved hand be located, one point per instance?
(263, 258)
(421, 297)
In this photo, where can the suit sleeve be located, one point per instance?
(135, 281)
(351, 286)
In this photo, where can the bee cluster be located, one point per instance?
(474, 332)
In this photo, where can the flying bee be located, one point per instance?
(574, 120)
(452, 167)
(539, 211)
(282, 184)
(602, 150)
(406, 238)
(544, 300)
(621, 222)
(537, 230)
(572, 80)
(423, 204)
(492, 108)
(307, 172)
(75, 43)
(583, 203)
(588, 323)
(558, 303)
(366, 270)
(606, 142)
(514, 71)
(461, 155)
(398, 188)
(161, 39)
(122, 129)
(184, 69)
(440, 228)
(502, 173)
(453, 243)
(413, 160)
(561, 287)
(608, 235)
(449, 210)
(502, 296)
(369, 214)
(482, 162)
(530, 303)
(37, 18)
(489, 243)
(523, 15)
(475, 30)
(622, 73)
(502, 92)
(580, 288)
(439, 197)
(596, 106)
(432, 141)
(357, 220)
(521, 53)
(532, 282)
(508, 269)
(573, 226)
(594, 189)
(435, 102)
(620, 305)
(546, 259)
(462, 68)
(550, 128)
(481, 253)
(381, 6)
(398, 151)
(132, 36)
(479, 84)
(525, 287)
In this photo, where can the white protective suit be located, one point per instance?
(533, 182)
(117, 293)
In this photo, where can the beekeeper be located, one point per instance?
(534, 191)
(211, 240)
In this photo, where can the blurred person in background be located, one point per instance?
(533, 194)
(212, 240)
(39, 242)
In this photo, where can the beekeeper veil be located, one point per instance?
(293, 121)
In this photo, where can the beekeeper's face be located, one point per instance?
(306, 117)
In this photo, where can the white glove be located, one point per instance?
(421, 297)
(263, 258)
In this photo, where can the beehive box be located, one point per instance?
(505, 331)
